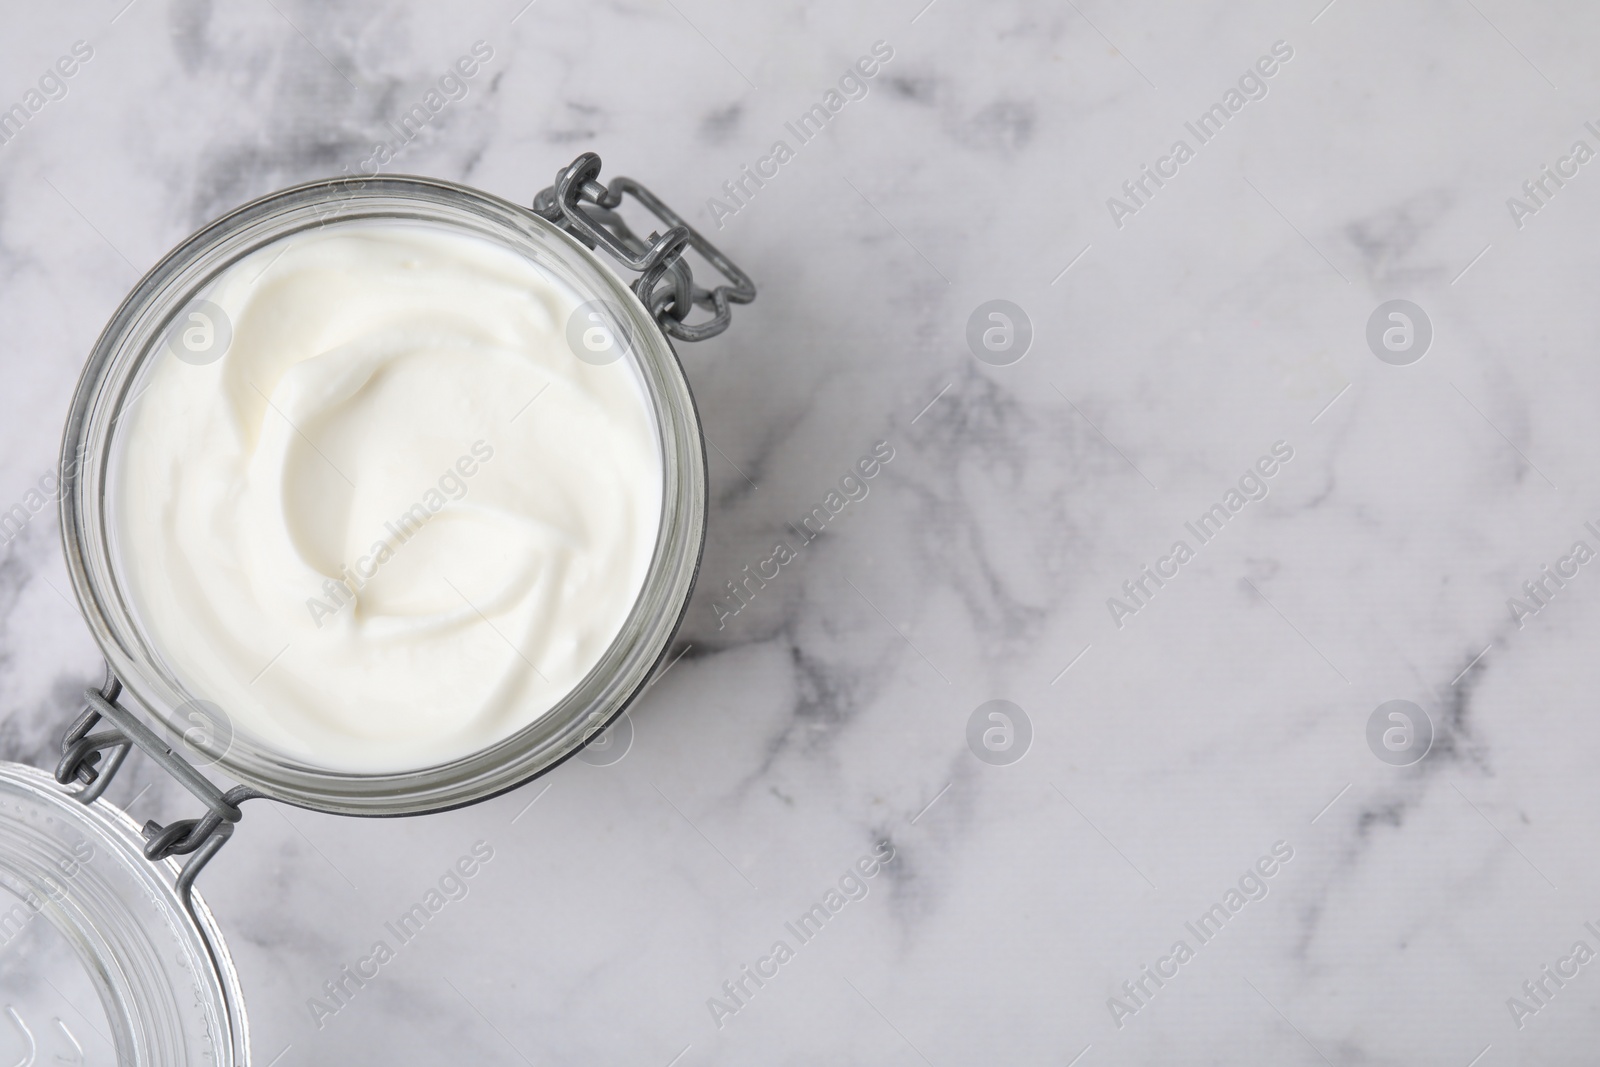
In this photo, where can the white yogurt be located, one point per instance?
(397, 520)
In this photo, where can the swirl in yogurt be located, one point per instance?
(397, 519)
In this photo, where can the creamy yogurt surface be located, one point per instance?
(379, 512)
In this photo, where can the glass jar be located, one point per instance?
(112, 381)
(80, 884)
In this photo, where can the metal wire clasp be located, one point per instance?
(81, 753)
(579, 204)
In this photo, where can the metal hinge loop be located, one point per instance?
(581, 205)
(81, 755)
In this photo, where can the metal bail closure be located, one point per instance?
(81, 754)
(582, 206)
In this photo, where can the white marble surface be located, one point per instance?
(1230, 714)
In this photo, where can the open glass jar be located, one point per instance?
(148, 704)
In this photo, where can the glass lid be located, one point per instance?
(100, 961)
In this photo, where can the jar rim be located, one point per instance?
(131, 339)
